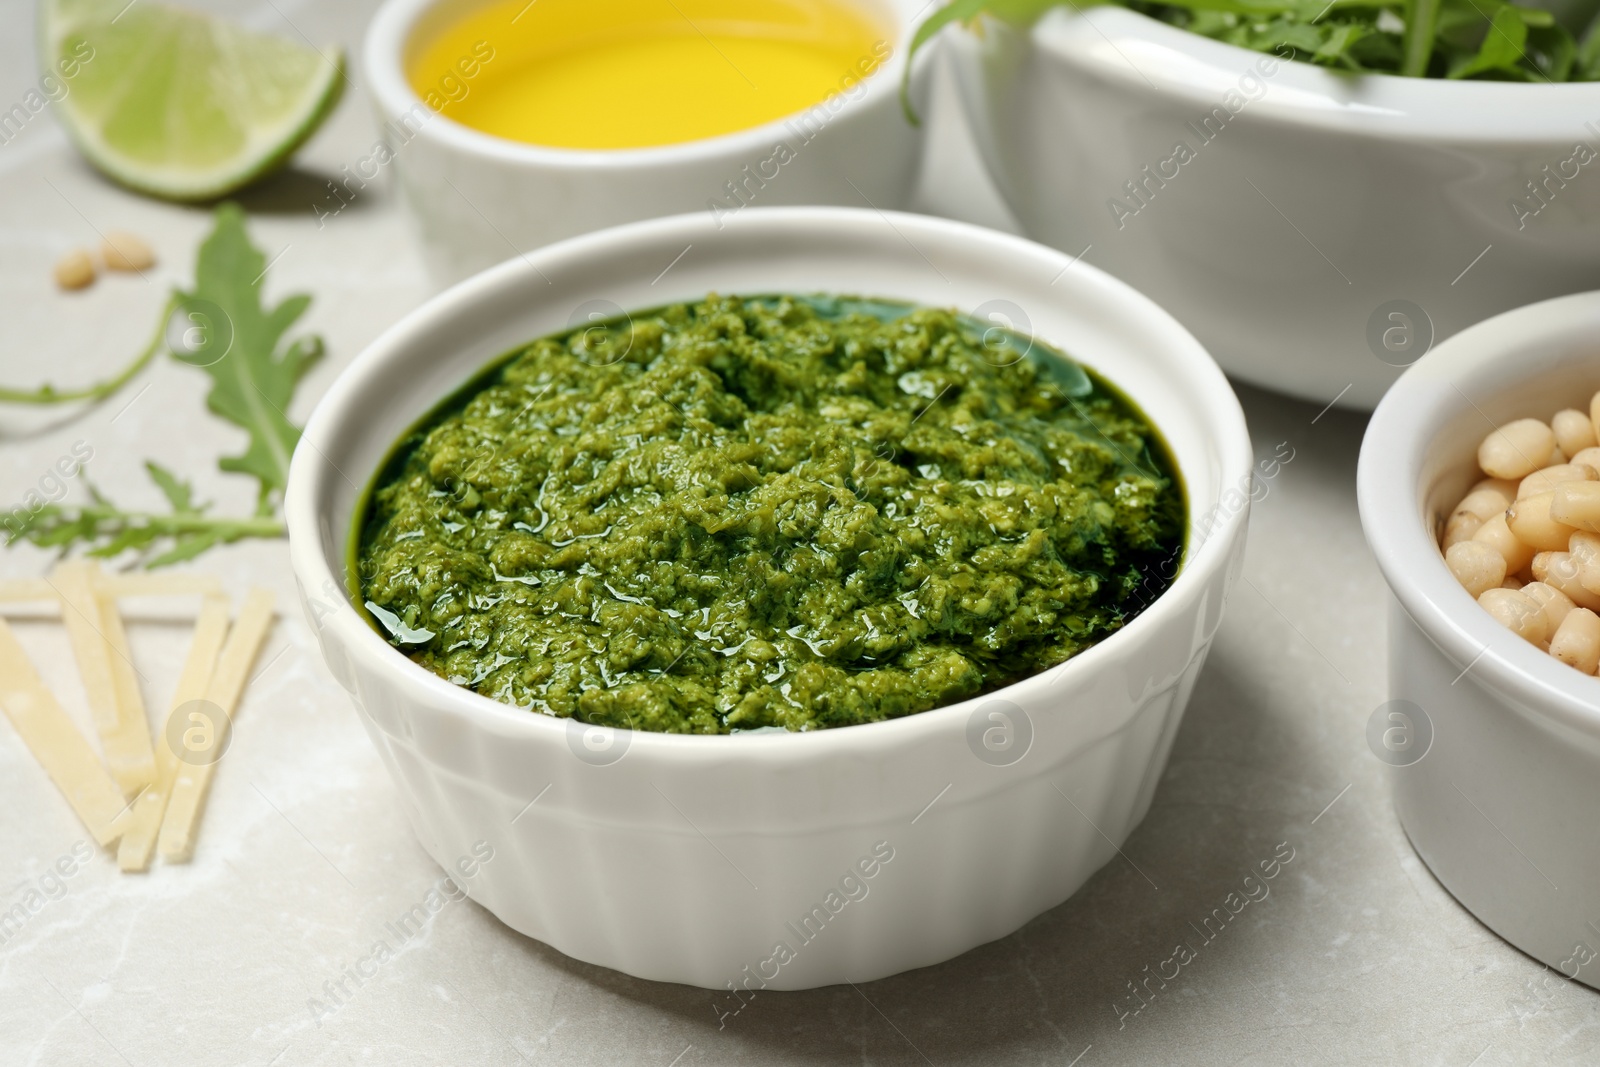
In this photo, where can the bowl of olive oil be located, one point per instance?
(512, 124)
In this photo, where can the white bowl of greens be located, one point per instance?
(1314, 216)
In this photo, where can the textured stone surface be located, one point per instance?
(1357, 956)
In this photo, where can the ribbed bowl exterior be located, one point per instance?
(688, 871)
(783, 861)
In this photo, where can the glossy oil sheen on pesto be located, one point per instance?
(767, 512)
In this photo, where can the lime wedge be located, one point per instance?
(178, 104)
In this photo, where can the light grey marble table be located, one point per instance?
(1357, 956)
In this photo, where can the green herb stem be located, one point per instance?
(253, 384)
(113, 520)
(106, 530)
(1421, 25)
(49, 394)
(107, 520)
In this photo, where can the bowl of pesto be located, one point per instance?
(765, 512)
(741, 583)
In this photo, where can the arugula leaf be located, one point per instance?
(252, 383)
(1017, 12)
(1501, 49)
(1340, 39)
(179, 494)
(1552, 51)
(1422, 22)
(110, 530)
(236, 341)
(1587, 60)
(1416, 38)
(951, 12)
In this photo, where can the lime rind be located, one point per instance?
(178, 104)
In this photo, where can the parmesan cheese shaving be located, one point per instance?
(168, 789)
(27, 589)
(58, 746)
(120, 585)
(118, 714)
(115, 585)
(227, 682)
(139, 840)
(133, 724)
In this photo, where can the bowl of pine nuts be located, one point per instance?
(1479, 487)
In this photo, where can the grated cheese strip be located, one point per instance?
(193, 781)
(117, 585)
(139, 839)
(27, 589)
(56, 744)
(121, 585)
(118, 716)
(131, 715)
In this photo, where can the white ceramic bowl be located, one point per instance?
(477, 198)
(1502, 806)
(684, 859)
(1318, 202)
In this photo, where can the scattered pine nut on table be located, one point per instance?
(75, 270)
(122, 250)
(1525, 540)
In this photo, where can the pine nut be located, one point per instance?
(1516, 449)
(75, 270)
(1506, 487)
(1530, 520)
(1584, 550)
(1517, 612)
(1525, 540)
(1495, 533)
(1577, 642)
(1574, 431)
(1590, 457)
(1546, 479)
(1485, 503)
(1577, 504)
(124, 251)
(1475, 507)
(1555, 603)
(1476, 566)
(1461, 527)
(1560, 570)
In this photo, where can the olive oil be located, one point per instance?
(613, 74)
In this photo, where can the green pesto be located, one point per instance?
(767, 512)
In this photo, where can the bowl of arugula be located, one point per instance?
(1318, 189)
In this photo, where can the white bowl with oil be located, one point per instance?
(477, 198)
